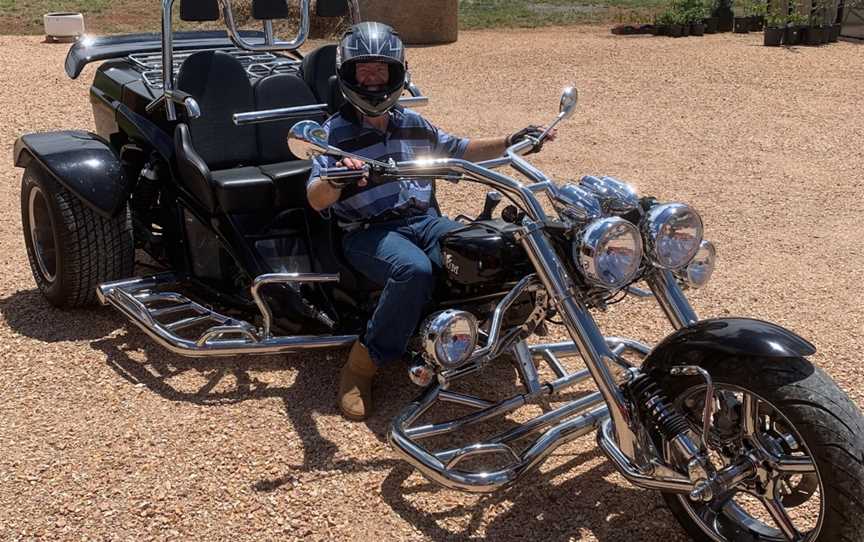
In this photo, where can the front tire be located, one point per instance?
(797, 411)
(71, 248)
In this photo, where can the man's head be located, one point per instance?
(370, 64)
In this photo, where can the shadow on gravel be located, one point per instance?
(538, 508)
(28, 313)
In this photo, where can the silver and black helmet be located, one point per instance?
(371, 42)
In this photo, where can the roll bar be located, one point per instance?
(170, 96)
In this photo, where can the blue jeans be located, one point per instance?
(403, 257)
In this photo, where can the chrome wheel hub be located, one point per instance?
(42, 234)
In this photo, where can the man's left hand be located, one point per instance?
(535, 132)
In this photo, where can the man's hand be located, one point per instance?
(353, 163)
(534, 132)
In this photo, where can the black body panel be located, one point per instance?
(82, 162)
(484, 253)
(725, 337)
(84, 52)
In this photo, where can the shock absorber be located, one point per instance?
(656, 408)
(662, 416)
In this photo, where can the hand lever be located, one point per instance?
(493, 198)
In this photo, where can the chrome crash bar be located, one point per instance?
(163, 315)
(560, 425)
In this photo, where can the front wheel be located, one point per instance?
(809, 437)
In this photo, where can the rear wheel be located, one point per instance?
(71, 248)
(809, 438)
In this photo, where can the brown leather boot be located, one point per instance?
(355, 384)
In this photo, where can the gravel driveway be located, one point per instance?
(105, 436)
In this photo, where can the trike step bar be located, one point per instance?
(164, 314)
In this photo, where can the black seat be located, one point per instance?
(214, 155)
(317, 68)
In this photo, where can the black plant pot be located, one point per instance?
(660, 30)
(742, 25)
(675, 31)
(711, 25)
(757, 22)
(812, 35)
(725, 18)
(685, 30)
(697, 29)
(834, 33)
(792, 35)
(773, 36)
(826, 34)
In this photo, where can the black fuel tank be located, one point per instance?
(484, 252)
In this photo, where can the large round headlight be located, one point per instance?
(698, 271)
(672, 233)
(449, 337)
(609, 252)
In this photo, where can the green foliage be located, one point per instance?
(528, 13)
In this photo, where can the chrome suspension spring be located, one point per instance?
(656, 408)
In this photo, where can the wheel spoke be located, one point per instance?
(793, 464)
(781, 518)
(750, 415)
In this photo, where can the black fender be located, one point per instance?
(82, 162)
(726, 337)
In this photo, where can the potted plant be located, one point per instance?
(795, 25)
(775, 27)
(725, 17)
(757, 15)
(712, 22)
(742, 19)
(663, 23)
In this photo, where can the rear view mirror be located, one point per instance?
(307, 139)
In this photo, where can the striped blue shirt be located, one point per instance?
(408, 137)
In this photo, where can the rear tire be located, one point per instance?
(70, 246)
(830, 425)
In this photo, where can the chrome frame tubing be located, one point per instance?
(270, 45)
(551, 271)
(270, 41)
(441, 467)
(672, 299)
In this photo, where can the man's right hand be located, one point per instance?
(353, 163)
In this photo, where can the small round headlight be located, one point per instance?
(672, 233)
(609, 252)
(449, 337)
(698, 271)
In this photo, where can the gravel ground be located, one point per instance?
(105, 436)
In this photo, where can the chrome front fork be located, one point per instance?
(588, 338)
(582, 328)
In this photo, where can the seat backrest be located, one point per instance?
(272, 92)
(221, 86)
(317, 68)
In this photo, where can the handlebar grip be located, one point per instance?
(343, 175)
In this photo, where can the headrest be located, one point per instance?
(269, 9)
(331, 8)
(199, 10)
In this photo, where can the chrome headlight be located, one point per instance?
(609, 252)
(616, 197)
(449, 337)
(698, 271)
(673, 232)
(576, 203)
